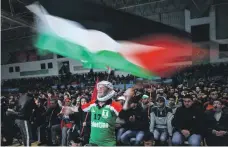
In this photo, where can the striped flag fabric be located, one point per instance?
(61, 33)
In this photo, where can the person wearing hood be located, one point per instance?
(160, 121)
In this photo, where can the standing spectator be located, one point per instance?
(217, 125)
(39, 121)
(85, 121)
(104, 112)
(188, 123)
(22, 114)
(53, 121)
(66, 122)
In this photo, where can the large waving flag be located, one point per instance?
(61, 33)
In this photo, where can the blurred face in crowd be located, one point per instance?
(37, 102)
(145, 101)
(67, 103)
(171, 101)
(161, 91)
(53, 104)
(102, 91)
(148, 143)
(176, 94)
(214, 95)
(78, 101)
(49, 94)
(43, 96)
(217, 106)
(65, 96)
(133, 105)
(160, 103)
(197, 89)
(187, 102)
(73, 102)
(171, 91)
(225, 95)
(219, 88)
(83, 101)
(75, 144)
(205, 88)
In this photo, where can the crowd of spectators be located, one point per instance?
(191, 110)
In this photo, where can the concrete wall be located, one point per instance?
(214, 42)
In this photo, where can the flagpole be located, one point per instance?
(108, 76)
(109, 72)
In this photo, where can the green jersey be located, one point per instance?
(103, 123)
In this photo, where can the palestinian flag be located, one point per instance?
(101, 37)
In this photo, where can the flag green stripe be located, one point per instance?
(100, 59)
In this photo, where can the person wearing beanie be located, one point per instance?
(104, 111)
(188, 123)
(160, 121)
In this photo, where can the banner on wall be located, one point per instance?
(64, 67)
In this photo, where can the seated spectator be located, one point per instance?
(160, 122)
(213, 96)
(172, 105)
(188, 123)
(136, 123)
(217, 125)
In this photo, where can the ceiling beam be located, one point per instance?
(16, 20)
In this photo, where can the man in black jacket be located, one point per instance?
(22, 114)
(217, 125)
(188, 123)
(137, 123)
(53, 121)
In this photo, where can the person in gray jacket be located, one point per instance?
(160, 121)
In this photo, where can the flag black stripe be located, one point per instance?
(119, 25)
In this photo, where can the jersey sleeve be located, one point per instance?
(116, 107)
(88, 106)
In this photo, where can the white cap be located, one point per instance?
(121, 98)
